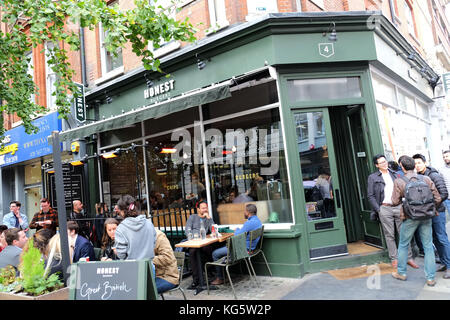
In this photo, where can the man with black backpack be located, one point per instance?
(380, 186)
(440, 237)
(420, 199)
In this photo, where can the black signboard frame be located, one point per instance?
(112, 280)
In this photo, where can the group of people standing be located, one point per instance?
(386, 194)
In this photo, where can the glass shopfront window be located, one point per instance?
(231, 154)
(246, 164)
(124, 175)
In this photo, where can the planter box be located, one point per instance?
(61, 294)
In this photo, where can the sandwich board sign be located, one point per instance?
(112, 280)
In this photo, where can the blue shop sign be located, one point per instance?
(20, 146)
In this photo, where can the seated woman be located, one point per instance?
(167, 275)
(109, 233)
(54, 257)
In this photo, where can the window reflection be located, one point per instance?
(250, 172)
(314, 161)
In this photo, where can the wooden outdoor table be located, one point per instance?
(199, 243)
(203, 243)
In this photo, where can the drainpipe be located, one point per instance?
(83, 57)
(391, 7)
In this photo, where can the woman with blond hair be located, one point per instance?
(54, 257)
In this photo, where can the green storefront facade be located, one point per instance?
(288, 111)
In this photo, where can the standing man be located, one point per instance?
(380, 186)
(15, 219)
(16, 240)
(252, 223)
(78, 215)
(196, 254)
(445, 171)
(440, 238)
(409, 226)
(46, 218)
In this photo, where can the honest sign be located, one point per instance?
(112, 280)
(80, 108)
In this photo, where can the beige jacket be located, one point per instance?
(399, 192)
(164, 260)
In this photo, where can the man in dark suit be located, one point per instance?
(16, 239)
(79, 246)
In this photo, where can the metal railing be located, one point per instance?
(169, 221)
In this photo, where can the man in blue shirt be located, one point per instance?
(252, 223)
(15, 219)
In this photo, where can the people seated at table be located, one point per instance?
(16, 240)
(166, 269)
(109, 235)
(79, 247)
(199, 255)
(135, 236)
(53, 257)
(252, 223)
(3, 243)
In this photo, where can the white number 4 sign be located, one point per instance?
(326, 49)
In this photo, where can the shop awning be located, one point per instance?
(183, 102)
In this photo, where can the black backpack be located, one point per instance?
(418, 203)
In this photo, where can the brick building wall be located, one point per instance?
(236, 12)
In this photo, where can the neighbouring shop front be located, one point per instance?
(24, 163)
(280, 117)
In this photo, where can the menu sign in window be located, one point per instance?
(112, 280)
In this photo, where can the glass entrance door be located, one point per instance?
(325, 223)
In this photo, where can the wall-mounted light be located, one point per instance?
(111, 154)
(412, 56)
(108, 155)
(168, 150)
(333, 35)
(77, 162)
(148, 82)
(201, 63)
(108, 99)
(434, 81)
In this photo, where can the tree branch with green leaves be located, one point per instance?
(30, 23)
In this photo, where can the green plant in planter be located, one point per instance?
(32, 277)
(8, 281)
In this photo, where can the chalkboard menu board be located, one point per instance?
(112, 280)
(73, 186)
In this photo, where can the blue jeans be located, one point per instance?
(216, 255)
(440, 239)
(407, 230)
(163, 285)
(447, 205)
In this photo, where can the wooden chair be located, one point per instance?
(180, 264)
(237, 251)
(254, 235)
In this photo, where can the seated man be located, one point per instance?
(195, 254)
(166, 269)
(252, 223)
(16, 240)
(79, 247)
